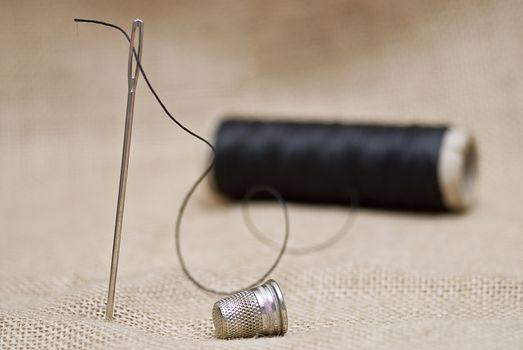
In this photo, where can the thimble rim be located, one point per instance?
(281, 302)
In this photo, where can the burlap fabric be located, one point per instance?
(398, 280)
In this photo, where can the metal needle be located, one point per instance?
(132, 81)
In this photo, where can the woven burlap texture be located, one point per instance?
(396, 281)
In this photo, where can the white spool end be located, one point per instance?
(457, 169)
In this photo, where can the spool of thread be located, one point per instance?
(425, 168)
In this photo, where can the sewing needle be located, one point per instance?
(132, 81)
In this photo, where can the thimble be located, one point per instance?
(260, 311)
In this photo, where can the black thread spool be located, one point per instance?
(401, 167)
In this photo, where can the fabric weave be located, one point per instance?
(398, 280)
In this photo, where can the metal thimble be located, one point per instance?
(260, 311)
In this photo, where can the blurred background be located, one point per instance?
(62, 107)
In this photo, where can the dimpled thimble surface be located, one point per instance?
(259, 311)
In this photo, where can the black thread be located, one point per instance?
(331, 240)
(387, 166)
(250, 191)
